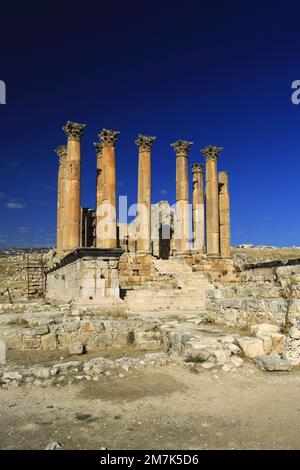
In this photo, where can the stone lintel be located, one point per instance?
(211, 153)
(74, 130)
(145, 142)
(182, 147)
(108, 137)
(88, 252)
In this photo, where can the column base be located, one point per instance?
(183, 253)
(213, 255)
(143, 252)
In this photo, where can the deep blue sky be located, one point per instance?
(214, 72)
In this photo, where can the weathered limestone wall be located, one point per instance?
(135, 270)
(256, 296)
(88, 280)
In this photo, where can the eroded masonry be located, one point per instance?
(101, 260)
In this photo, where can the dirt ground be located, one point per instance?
(164, 408)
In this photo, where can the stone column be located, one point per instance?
(198, 207)
(224, 206)
(144, 142)
(99, 192)
(107, 226)
(61, 153)
(182, 223)
(72, 186)
(211, 155)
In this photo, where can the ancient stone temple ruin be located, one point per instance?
(102, 262)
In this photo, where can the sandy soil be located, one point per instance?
(164, 408)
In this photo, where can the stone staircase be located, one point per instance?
(174, 287)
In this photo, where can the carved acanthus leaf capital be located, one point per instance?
(108, 138)
(74, 130)
(61, 152)
(145, 142)
(98, 147)
(182, 147)
(211, 153)
(197, 168)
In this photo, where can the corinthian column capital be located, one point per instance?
(182, 147)
(108, 137)
(61, 152)
(74, 130)
(145, 142)
(98, 147)
(197, 168)
(211, 153)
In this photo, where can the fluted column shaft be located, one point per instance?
(224, 208)
(182, 223)
(61, 153)
(211, 155)
(72, 186)
(99, 192)
(107, 225)
(144, 143)
(198, 207)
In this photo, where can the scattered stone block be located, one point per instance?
(251, 347)
(236, 361)
(233, 348)
(263, 329)
(220, 356)
(273, 363)
(278, 342)
(295, 331)
(76, 348)
(12, 375)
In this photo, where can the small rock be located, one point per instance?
(76, 348)
(208, 365)
(227, 367)
(53, 446)
(294, 332)
(237, 361)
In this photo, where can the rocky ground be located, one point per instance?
(161, 380)
(166, 408)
